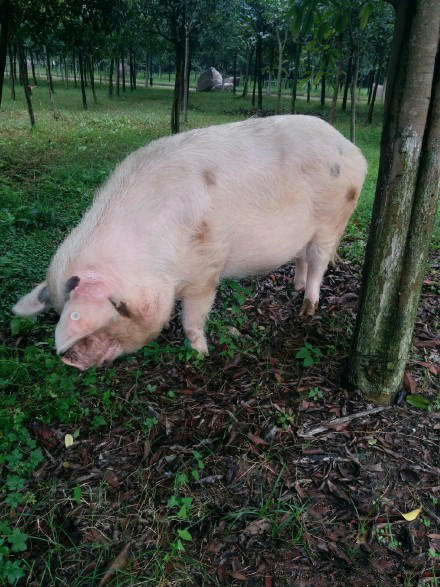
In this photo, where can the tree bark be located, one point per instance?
(130, 57)
(11, 73)
(324, 78)
(74, 71)
(48, 71)
(176, 107)
(406, 198)
(151, 71)
(118, 77)
(27, 91)
(281, 45)
(339, 67)
(185, 75)
(110, 77)
(92, 78)
(82, 74)
(354, 79)
(123, 72)
(234, 84)
(34, 77)
(376, 80)
(258, 67)
(4, 22)
(347, 82)
(248, 72)
(295, 76)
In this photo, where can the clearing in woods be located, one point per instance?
(254, 466)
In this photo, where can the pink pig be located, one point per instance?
(181, 213)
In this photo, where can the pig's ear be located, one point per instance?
(35, 302)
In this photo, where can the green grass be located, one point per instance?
(47, 179)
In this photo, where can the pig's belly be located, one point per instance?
(264, 247)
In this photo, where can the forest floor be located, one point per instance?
(252, 466)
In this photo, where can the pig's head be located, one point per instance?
(95, 325)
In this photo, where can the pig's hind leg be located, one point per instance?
(299, 282)
(318, 256)
(197, 302)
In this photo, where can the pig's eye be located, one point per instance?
(74, 316)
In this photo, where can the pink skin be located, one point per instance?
(94, 349)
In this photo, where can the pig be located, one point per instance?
(184, 211)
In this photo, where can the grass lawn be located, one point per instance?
(181, 470)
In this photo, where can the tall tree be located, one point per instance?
(406, 198)
(4, 23)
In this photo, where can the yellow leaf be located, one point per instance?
(412, 515)
(68, 440)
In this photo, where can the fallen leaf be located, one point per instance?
(111, 478)
(237, 575)
(68, 440)
(119, 562)
(256, 439)
(412, 515)
(409, 383)
(430, 366)
(45, 433)
(257, 527)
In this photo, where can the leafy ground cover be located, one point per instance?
(253, 466)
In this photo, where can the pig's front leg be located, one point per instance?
(196, 307)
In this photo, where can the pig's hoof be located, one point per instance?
(308, 308)
(200, 345)
(299, 285)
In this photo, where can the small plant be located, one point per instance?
(315, 394)
(309, 354)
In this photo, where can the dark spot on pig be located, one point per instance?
(209, 178)
(71, 283)
(44, 298)
(351, 194)
(335, 170)
(202, 233)
(340, 150)
(121, 307)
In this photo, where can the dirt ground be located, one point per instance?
(288, 477)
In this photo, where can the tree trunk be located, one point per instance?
(354, 79)
(92, 78)
(281, 44)
(27, 91)
(347, 82)
(123, 72)
(66, 72)
(248, 72)
(295, 76)
(269, 77)
(130, 57)
(151, 71)
(49, 72)
(234, 84)
(118, 77)
(254, 85)
(185, 75)
(74, 72)
(11, 73)
(309, 83)
(134, 70)
(34, 77)
(258, 59)
(405, 204)
(176, 107)
(369, 119)
(4, 22)
(339, 67)
(110, 77)
(82, 74)
(324, 78)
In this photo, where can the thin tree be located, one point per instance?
(27, 91)
(4, 23)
